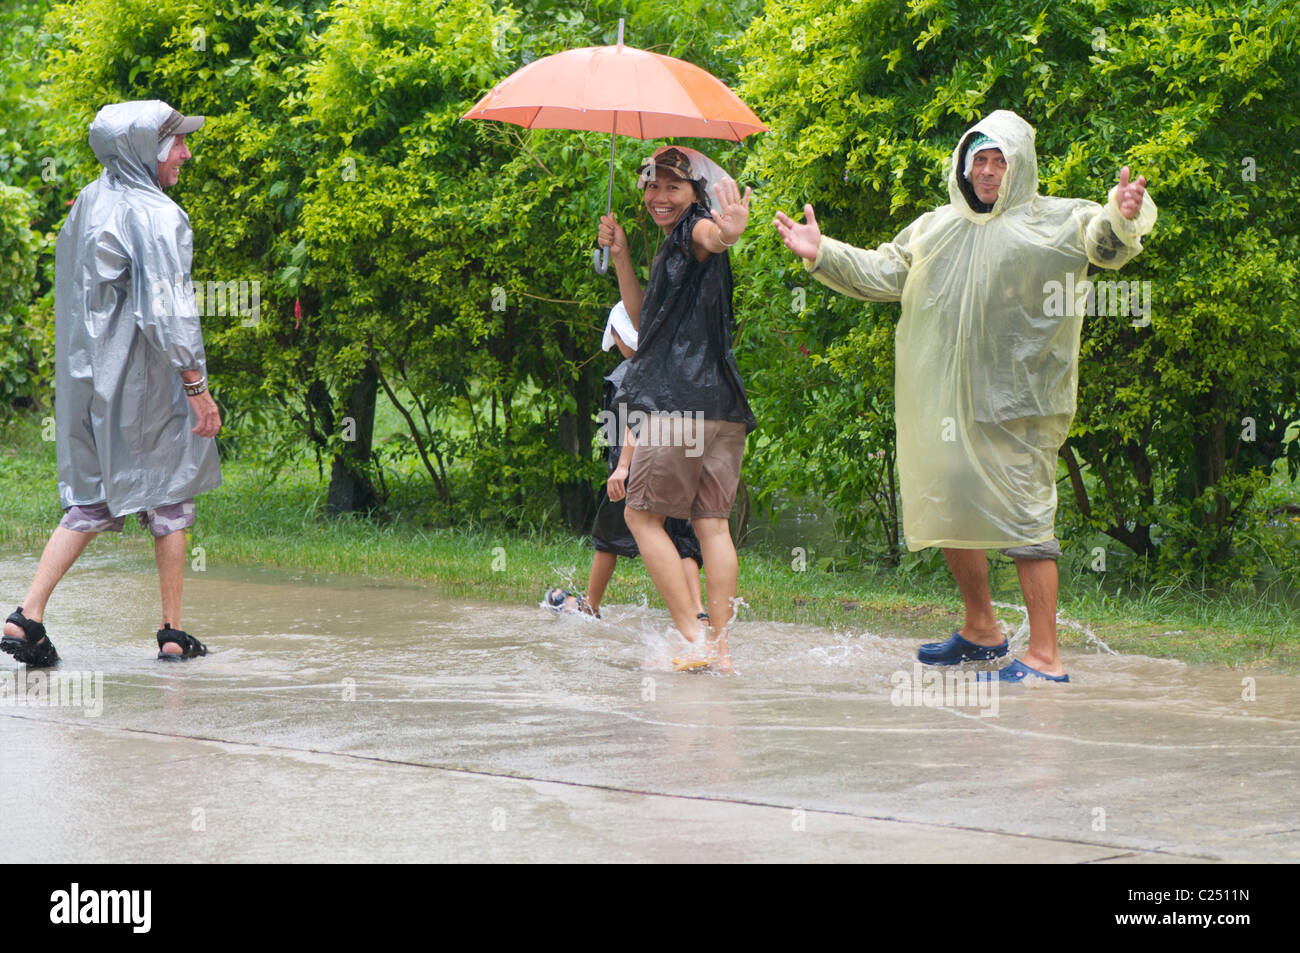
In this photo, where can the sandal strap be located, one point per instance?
(188, 643)
(35, 631)
(552, 601)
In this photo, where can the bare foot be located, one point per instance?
(698, 653)
(1048, 666)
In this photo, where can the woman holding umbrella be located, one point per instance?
(684, 377)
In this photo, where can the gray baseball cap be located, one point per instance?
(178, 125)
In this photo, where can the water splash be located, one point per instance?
(1020, 635)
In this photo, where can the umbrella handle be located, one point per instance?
(600, 262)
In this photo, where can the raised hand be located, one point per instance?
(732, 213)
(804, 240)
(1129, 196)
(612, 235)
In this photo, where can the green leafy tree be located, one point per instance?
(30, 209)
(866, 102)
(460, 252)
(20, 352)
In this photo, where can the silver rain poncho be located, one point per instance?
(987, 348)
(126, 323)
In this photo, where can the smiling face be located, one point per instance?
(667, 197)
(169, 169)
(986, 172)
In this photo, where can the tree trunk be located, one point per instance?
(351, 490)
(577, 501)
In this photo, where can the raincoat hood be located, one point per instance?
(124, 137)
(1015, 138)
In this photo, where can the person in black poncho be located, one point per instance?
(684, 383)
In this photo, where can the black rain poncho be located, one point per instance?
(683, 360)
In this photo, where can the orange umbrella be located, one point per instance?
(623, 91)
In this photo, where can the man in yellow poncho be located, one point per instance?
(987, 359)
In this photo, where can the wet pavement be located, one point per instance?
(343, 720)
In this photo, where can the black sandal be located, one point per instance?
(36, 650)
(190, 646)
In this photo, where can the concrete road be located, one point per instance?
(341, 720)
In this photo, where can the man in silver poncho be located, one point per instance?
(134, 420)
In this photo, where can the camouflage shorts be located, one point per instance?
(95, 518)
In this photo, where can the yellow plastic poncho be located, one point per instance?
(987, 349)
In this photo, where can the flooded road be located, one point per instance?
(345, 720)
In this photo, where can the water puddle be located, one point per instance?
(1147, 753)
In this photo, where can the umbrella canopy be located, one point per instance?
(621, 90)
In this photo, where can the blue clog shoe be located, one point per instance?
(1018, 671)
(955, 649)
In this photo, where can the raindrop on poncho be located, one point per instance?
(126, 323)
(987, 348)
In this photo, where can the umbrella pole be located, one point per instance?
(600, 257)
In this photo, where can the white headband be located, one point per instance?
(970, 155)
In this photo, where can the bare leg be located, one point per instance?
(665, 568)
(722, 572)
(1038, 582)
(602, 570)
(970, 568)
(62, 550)
(691, 569)
(169, 554)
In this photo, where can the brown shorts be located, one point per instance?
(685, 467)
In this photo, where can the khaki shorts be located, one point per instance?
(686, 468)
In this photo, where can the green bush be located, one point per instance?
(1179, 422)
(23, 352)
